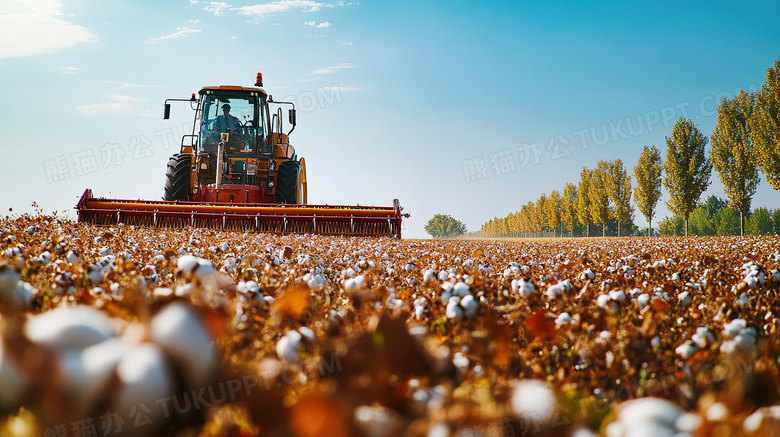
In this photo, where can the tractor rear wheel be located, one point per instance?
(177, 178)
(287, 182)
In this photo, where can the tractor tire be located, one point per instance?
(177, 178)
(287, 182)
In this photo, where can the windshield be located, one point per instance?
(235, 114)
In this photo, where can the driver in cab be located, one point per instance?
(226, 122)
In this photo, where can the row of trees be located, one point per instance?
(714, 217)
(746, 139)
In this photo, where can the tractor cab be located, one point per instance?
(243, 114)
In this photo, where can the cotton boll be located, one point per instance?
(460, 289)
(588, 275)
(179, 330)
(429, 275)
(69, 327)
(376, 421)
(443, 275)
(617, 295)
(685, 298)
(307, 333)
(652, 416)
(563, 318)
(144, 378)
(469, 305)
(356, 283)
(734, 327)
(460, 361)
(533, 400)
(603, 300)
(642, 300)
(687, 349)
(525, 288)
(287, 347)
(454, 310)
(88, 372)
(419, 311)
(763, 422)
(554, 290)
(703, 337)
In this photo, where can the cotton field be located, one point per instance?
(132, 331)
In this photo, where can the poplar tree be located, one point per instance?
(553, 210)
(732, 153)
(583, 200)
(765, 125)
(648, 183)
(687, 168)
(597, 196)
(569, 207)
(618, 187)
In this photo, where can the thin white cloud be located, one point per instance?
(125, 98)
(349, 89)
(69, 70)
(116, 108)
(260, 11)
(31, 27)
(131, 85)
(346, 43)
(314, 24)
(216, 8)
(332, 69)
(181, 32)
(193, 21)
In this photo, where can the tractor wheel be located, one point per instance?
(177, 178)
(287, 182)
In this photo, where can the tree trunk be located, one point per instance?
(686, 225)
(741, 224)
(649, 228)
(618, 229)
(603, 230)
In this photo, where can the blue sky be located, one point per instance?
(463, 108)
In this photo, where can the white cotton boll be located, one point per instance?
(703, 337)
(454, 310)
(776, 275)
(751, 281)
(469, 305)
(429, 275)
(533, 399)
(642, 300)
(183, 335)
(525, 288)
(419, 311)
(554, 290)
(187, 263)
(144, 377)
(645, 417)
(443, 275)
(563, 318)
(447, 287)
(69, 327)
(685, 298)
(376, 421)
(224, 246)
(287, 347)
(349, 273)
(409, 267)
(743, 342)
(157, 292)
(742, 300)
(734, 327)
(95, 274)
(635, 292)
(356, 283)
(185, 290)
(676, 277)
(307, 333)
(460, 361)
(687, 349)
(71, 257)
(765, 419)
(617, 295)
(45, 257)
(461, 289)
(11, 381)
(87, 372)
(588, 274)
(603, 300)
(655, 341)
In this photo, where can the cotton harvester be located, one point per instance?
(242, 174)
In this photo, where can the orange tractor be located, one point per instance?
(238, 171)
